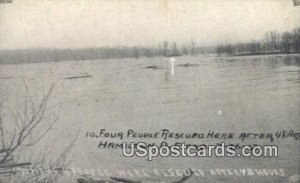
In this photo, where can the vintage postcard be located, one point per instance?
(135, 91)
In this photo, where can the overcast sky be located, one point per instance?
(93, 23)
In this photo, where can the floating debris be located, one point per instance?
(187, 65)
(231, 60)
(6, 77)
(153, 67)
(77, 77)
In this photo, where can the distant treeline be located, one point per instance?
(272, 43)
(165, 49)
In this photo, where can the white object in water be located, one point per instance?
(171, 61)
(219, 112)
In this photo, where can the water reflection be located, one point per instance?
(292, 61)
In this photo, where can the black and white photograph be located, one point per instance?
(140, 91)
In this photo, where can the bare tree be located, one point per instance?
(136, 53)
(296, 40)
(219, 49)
(286, 42)
(165, 48)
(184, 50)
(272, 40)
(22, 128)
(175, 51)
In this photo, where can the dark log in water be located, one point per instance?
(6, 77)
(188, 65)
(153, 67)
(77, 77)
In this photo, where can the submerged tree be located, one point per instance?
(175, 51)
(286, 42)
(296, 40)
(136, 52)
(273, 42)
(165, 48)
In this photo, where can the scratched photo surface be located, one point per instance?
(69, 68)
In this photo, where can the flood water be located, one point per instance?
(222, 94)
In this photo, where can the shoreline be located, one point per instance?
(263, 53)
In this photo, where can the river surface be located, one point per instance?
(259, 94)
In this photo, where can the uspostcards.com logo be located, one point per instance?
(221, 150)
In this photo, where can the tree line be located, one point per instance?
(273, 42)
(165, 49)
